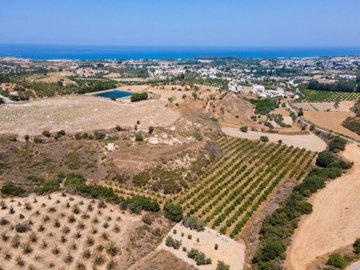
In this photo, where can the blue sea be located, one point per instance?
(153, 52)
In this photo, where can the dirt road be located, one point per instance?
(335, 220)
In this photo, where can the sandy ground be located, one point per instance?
(164, 260)
(70, 238)
(331, 121)
(82, 113)
(229, 251)
(308, 141)
(335, 220)
(344, 106)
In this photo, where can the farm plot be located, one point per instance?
(232, 190)
(328, 96)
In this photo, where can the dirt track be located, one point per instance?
(335, 220)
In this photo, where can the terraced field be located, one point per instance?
(234, 187)
(328, 96)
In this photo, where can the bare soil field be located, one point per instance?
(175, 92)
(82, 113)
(236, 112)
(63, 231)
(335, 220)
(331, 121)
(308, 141)
(164, 260)
(54, 77)
(344, 106)
(229, 251)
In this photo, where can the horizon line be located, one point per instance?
(182, 46)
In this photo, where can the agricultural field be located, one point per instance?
(328, 96)
(65, 231)
(234, 187)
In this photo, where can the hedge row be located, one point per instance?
(278, 227)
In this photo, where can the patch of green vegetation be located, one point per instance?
(77, 183)
(10, 189)
(199, 257)
(139, 96)
(138, 203)
(222, 266)
(337, 260)
(73, 160)
(43, 89)
(337, 144)
(193, 223)
(171, 242)
(141, 179)
(244, 129)
(174, 212)
(264, 106)
(352, 124)
(49, 186)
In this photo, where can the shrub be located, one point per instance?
(193, 223)
(20, 261)
(324, 159)
(11, 189)
(46, 133)
(244, 129)
(61, 133)
(86, 254)
(112, 249)
(99, 135)
(337, 144)
(171, 242)
(337, 260)
(99, 259)
(222, 266)
(357, 246)
(173, 212)
(199, 257)
(148, 219)
(264, 138)
(139, 96)
(38, 140)
(139, 136)
(270, 251)
(267, 266)
(151, 129)
(23, 227)
(49, 186)
(111, 265)
(138, 203)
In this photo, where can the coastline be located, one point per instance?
(88, 52)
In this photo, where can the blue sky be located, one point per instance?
(182, 22)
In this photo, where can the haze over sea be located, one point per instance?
(166, 52)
